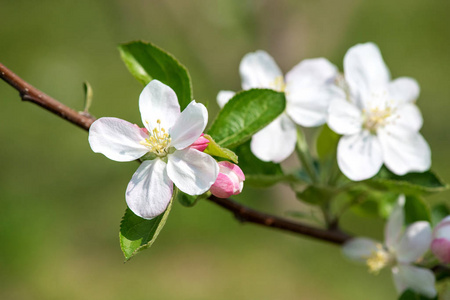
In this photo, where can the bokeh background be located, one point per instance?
(61, 204)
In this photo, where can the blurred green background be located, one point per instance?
(61, 204)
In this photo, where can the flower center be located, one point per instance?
(378, 260)
(158, 140)
(376, 117)
(278, 84)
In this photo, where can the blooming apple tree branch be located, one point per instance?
(242, 213)
(370, 155)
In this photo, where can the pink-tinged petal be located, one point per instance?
(414, 242)
(394, 225)
(441, 249)
(150, 189)
(192, 171)
(259, 70)
(189, 126)
(344, 117)
(223, 187)
(404, 90)
(223, 97)
(360, 249)
(229, 182)
(404, 151)
(407, 116)
(442, 230)
(224, 165)
(365, 72)
(311, 72)
(200, 144)
(117, 139)
(158, 102)
(276, 141)
(419, 280)
(359, 156)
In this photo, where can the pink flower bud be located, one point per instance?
(440, 245)
(229, 182)
(200, 144)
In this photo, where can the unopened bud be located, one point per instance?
(200, 144)
(440, 246)
(229, 182)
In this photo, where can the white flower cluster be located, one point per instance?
(377, 118)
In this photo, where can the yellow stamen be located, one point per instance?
(158, 140)
(278, 84)
(378, 260)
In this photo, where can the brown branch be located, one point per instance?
(246, 214)
(242, 213)
(32, 94)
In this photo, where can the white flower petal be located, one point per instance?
(365, 72)
(360, 249)
(404, 89)
(117, 139)
(419, 280)
(359, 156)
(259, 70)
(394, 225)
(189, 126)
(404, 151)
(223, 97)
(311, 72)
(308, 106)
(158, 102)
(276, 141)
(344, 117)
(150, 189)
(408, 116)
(414, 242)
(192, 171)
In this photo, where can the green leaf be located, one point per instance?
(245, 114)
(187, 200)
(374, 203)
(146, 62)
(410, 295)
(250, 164)
(326, 143)
(411, 183)
(416, 210)
(316, 195)
(215, 150)
(438, 212)
(137, 234)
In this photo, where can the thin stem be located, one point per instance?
(305, 156)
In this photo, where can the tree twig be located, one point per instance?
(246, 214)
(30, 93)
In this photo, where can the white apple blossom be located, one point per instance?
(401, 249)
(163, 145)
(377, 117)
(307, 100)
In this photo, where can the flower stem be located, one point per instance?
(305, 156)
